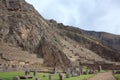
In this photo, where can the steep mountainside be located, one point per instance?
(25, 33)
(87, 41)
(21, 26)
(108, 39)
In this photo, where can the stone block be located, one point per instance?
(16, 78)
(50, 77)
(61, 76)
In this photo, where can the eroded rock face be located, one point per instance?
(22, 27)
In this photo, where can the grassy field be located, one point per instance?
(117, 76)
(43, 76)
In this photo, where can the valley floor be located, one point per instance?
(43, 76)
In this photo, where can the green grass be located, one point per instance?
(10, 75)
(117, 76)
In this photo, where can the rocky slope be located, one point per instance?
(23, 31)
(21, 26)
(90, 42)
(108, 39)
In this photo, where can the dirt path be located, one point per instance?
(103, 76)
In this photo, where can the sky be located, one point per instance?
(95, 15)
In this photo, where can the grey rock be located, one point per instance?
(50, 77)
(61, 76)
(16, 78)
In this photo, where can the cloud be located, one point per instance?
(99, 15)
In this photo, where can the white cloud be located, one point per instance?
(100, 15)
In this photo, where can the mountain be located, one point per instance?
(108, 39)
(27, 39)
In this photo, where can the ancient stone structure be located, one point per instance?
(27, 73)
(61, 76)
(74, 73)
(99, 68)
(35, 73)
(68, 73)
(50, 77)
(16, 78)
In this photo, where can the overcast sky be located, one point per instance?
(97, 15)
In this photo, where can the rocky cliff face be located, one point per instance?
(23, 30)
(21, 26)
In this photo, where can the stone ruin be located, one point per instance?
(74, 70)
(6, 67)
(85, 68)
(61, 76)
(16, 78)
